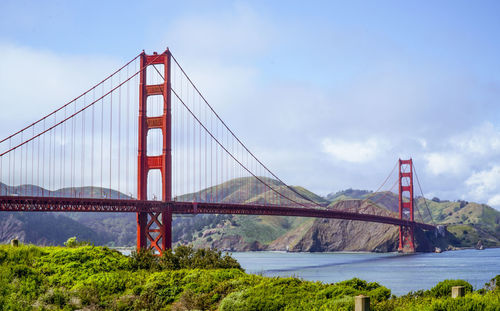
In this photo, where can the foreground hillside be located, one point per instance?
(467, 223)
(96, 278)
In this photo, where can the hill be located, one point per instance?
(112, 229)
(467, 223)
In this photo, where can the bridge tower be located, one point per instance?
(406, 233)
(154, 230)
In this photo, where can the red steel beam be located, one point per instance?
(54, 204)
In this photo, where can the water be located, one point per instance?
(400, 273)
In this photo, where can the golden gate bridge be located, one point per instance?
(144, 140)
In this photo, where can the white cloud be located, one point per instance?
(484, 184)
(444, 163)
(480, 140)
(494, 201)
(218, 50)
(35, 82)
(354, 151)
(423, 142)
(255, 71)
(235, 32)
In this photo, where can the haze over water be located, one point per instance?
(400, 273)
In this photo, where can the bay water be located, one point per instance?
(401, 273)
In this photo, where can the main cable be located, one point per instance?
(243, 145)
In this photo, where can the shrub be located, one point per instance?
(73, 242)
(185, 257)
(143, 259)
(97, 278)
(493, 284)
(58, 297)
(443, 288)
(471, 302)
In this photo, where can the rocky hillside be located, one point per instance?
(342, 235)
(467, 223)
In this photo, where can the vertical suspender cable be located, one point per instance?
(32, 162)
(83, 149)
(102, 139)
(92, 148)
(119, 129)
(127, 162)
(21, 165)
(110, 136)
(199, 149)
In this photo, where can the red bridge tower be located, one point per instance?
(154, 230)
(406, 233)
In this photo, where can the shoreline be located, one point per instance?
(129, 248)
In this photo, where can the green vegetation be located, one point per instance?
(467, 222)
(439, 298)
(347, 194)
(97, 278)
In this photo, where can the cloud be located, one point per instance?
(218, 49)
(422, 142)
(494, 201)
(484, 185)
(481, 140)
(277, 99)
(35, 82)
(444, 163)
(238, 31)
(286, 88)
(354, 151)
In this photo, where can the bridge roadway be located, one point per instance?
(61, 204)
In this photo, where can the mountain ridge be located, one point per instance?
(467, 223)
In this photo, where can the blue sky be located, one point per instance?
(328, 94)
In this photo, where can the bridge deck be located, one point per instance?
(59, 204)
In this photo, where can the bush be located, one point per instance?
(97, 278)
(472, 302)
(493, 284)
(143, 259)
(443, 288)
(73, 242)
(58, 297)
(185, 257)
(296, 294)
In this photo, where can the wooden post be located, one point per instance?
(14, 242)
(361, 303)
(457, 291)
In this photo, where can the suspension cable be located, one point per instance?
(421, 192)
(75, 113)
(70, 102)
(243, 145)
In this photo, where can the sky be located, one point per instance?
(327, 94)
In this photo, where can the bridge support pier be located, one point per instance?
(154, 230)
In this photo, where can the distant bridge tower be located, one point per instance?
(406, 233)
(154, 230)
